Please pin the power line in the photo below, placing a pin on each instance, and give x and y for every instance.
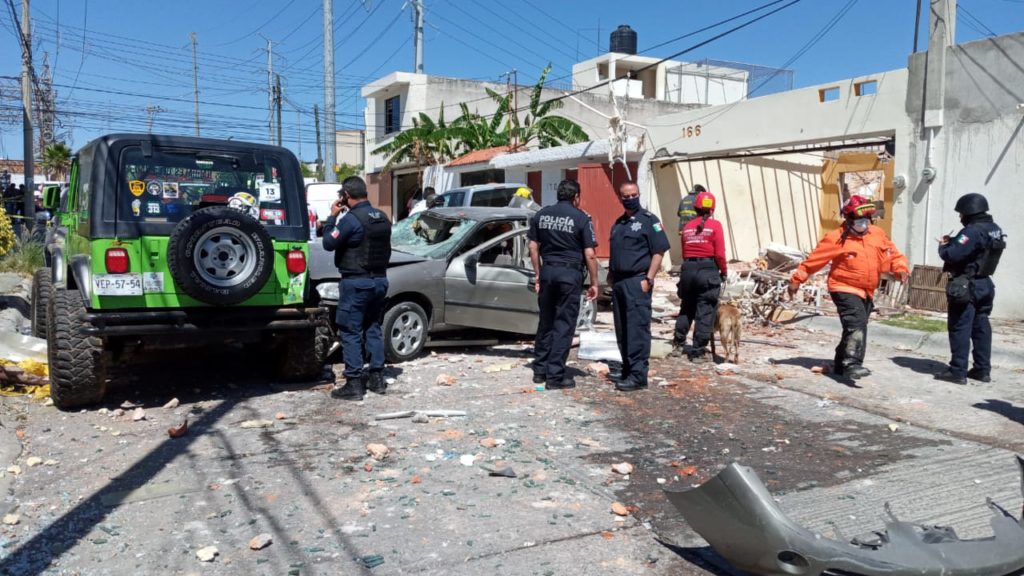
(258, 28)
(974, 22)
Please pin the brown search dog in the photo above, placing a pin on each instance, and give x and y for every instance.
(729, 325)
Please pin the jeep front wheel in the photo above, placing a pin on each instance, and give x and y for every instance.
(77, 370)
(42, 285)
(220, 255)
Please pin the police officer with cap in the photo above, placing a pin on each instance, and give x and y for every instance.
(562, 245)
(638, 243)
(970, 257)
(361, 243)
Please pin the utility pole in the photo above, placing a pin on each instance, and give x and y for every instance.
(152, 111)
(298, 126)
(417, 6)
(269, 91)
(332, 134)
(29, 198)
(277, 97)
(316, 122)
(512, 95)
(195, 79)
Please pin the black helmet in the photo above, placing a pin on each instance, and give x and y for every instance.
(971, 204)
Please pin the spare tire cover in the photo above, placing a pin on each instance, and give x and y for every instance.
(220, 255)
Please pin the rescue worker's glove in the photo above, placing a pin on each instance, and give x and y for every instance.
(792, 289)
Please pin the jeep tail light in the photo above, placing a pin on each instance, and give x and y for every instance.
(296, 262)
(116, 260)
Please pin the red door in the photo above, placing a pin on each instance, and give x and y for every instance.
(598, 198)
(534, 181)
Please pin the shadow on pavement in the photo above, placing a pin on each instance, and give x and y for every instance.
(1003, 408)
(704, 558)
(802, 361)
(34, 556)
(920, 365)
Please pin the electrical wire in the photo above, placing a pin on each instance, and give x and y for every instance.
(974, 22)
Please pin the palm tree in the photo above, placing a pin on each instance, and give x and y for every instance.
(427, 142)
(540, 126)
(57, 160)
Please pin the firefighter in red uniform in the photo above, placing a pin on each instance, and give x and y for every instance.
(700, 278)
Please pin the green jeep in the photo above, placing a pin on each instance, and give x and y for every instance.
(175, 241)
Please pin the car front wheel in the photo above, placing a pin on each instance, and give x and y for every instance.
(405, 331)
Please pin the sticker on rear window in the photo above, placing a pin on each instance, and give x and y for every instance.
(137, 187)
(154, 187)
(270, 192)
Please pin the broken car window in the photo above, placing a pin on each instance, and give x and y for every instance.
(429, 235)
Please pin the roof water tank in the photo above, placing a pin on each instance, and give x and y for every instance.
(623, 40)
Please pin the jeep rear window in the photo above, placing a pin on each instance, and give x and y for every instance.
(168, 185)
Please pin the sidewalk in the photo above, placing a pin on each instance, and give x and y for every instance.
(1007, 342)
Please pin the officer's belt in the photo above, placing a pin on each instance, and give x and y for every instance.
(700, 259)
(348, 276)
(578, 266)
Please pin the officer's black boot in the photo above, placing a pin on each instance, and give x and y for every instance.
(566, 383)
(950, 376)
(376, 382)
(354, 389)
(976, 374)
(856, 372)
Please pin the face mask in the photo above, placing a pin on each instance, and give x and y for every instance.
(631, 203)
(860, 225)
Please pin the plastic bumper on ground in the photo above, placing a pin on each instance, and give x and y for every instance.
(739, 519)
(207, 320)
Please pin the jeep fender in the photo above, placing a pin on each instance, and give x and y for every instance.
(56, 262)
(80, 272)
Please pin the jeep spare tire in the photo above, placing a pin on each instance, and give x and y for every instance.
(220, 255)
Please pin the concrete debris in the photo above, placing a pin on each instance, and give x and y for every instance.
(138, 414)
(420, 418)
(48, 401)
(11, 519)
(260, 542)
(14, 469)
(413, 413)
(171, 404)
(599, 368)
(117, 413)
(178, 431)
(619, 509)
(445, 380)
(623, 468)
(505, 367)
(894, 427)
(378, 451)
(504, 473)
(726, 367)
(257, 424)
(590, 443)
(280, 416)
(467, 459)
(33, 461)
(488, 442)
(817, 369)
(207, 554)
(128, 405)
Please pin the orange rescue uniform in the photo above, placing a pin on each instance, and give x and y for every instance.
(858, 262)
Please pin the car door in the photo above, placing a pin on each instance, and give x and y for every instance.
(490, 286)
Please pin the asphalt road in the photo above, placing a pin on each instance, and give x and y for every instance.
(119, 496)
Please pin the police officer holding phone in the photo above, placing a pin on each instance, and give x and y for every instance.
(361, 242)
(970, 257)
(562, 245)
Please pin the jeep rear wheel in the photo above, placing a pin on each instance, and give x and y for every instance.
(304, 353)
(42, 285)
(220, 255)
(77, 370)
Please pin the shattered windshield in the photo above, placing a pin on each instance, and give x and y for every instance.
(429, 235)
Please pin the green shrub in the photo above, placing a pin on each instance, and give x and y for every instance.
(24, 257)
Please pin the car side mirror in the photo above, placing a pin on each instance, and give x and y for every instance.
(471, 261)
(51, 197)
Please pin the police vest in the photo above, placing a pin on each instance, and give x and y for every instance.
(371, 256)
(994, 246)
(686, 211)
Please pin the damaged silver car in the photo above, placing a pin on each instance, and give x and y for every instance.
(739, 519)
(452, 269)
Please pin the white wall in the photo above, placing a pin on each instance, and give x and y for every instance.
(978, 148)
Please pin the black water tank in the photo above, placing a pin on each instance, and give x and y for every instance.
(623, 40)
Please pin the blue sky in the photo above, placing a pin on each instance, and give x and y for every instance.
(113, 59)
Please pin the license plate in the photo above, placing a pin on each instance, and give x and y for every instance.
(117, 284)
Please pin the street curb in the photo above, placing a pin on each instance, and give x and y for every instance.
(934, 344)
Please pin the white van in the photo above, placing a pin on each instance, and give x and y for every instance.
(320, 196)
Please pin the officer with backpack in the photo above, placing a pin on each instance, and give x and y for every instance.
(361, 242)
(970, 257)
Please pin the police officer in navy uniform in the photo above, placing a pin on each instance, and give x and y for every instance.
(638, 243)
(970, 257)
(562, 245)
(361, 243)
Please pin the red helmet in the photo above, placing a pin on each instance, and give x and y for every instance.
(858, 207)
(704, 202)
